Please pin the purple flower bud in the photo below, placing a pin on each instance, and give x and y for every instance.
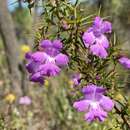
(76, 78)
(98, 77)
(125, 62)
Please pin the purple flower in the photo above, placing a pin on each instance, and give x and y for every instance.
(95, 104)
(75, 80)
(97, 77)
(47, 62)
(94, 37)
(125, 62)
(25, 100)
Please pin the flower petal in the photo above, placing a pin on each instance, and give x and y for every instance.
(97, 25)
(106, 103)
(32, 66)
(97, 22)
(39, 56)
(98, 50)
(94, 114)
(93, 92)
(106, 27)
(45, 43)
(61, 59)
(89, 91)
(103, 41)
(100, 90)
(88, 38)
(89, 116)
(37, 77)
(91, 88)
(57, 44)
(82, 106)
(28, 55)
(49, 69)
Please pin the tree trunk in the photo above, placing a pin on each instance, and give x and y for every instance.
(11, 47)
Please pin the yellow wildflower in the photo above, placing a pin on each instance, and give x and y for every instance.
(25, 48)
(119, 97)
(46, 83)
(10, 98)
(71, 82)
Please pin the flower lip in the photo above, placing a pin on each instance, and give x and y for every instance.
(49, 69)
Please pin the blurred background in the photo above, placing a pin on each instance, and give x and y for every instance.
(28, 106)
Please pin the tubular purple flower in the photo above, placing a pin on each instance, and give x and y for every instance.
(47, 62)
(94, 37)
(95, 104)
